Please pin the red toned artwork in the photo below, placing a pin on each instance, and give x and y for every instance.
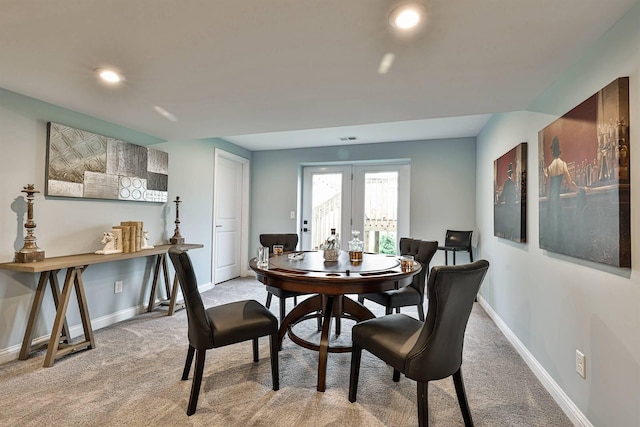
(583, 185)
(510, 194)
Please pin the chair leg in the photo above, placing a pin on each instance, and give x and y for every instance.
(269, 296)
(462, 398)
(396, 375)
(423, 404)
(187, 363)
(388, 310)
(470, 254)
(275, 370)
(398, 310)
(256, 355)
(197, 381)
(421, 312)
(360, 299)
(283, 307)
(356, 355)
(295, 300)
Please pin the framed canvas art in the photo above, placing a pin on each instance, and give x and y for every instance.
(510, 194)
(86, 165)
(584, 186)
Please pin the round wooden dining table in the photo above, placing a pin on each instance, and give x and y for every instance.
(329, 282)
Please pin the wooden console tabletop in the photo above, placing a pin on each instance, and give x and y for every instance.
(60, 340)
(60, 262)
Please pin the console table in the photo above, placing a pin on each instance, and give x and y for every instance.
(60, 341)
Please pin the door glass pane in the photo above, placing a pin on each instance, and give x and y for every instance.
(326, 201)
(380, 212)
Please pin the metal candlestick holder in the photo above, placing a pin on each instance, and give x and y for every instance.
(30, 252)
(177, 237)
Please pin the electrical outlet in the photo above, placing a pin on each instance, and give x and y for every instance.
(581, 367)
(118, 287)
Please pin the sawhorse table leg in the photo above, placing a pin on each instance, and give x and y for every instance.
(174, 294)
(73, 279)
(50, 277)
(161, 263)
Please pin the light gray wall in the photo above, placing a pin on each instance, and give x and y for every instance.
(64, 226)
(191, 176)
(71, 226)
(442, 184)
(556, 304)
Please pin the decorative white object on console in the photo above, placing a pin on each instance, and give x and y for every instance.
(145, 240)
(109, 241)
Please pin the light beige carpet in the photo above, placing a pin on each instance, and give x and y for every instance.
(132, 378)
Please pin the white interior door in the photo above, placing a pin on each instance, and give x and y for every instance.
(371, 198)
(230, 213)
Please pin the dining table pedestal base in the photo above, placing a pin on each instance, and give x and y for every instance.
(327, 307)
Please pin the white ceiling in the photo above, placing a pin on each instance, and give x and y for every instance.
(295, 73)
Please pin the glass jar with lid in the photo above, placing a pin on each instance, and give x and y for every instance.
(355, 247)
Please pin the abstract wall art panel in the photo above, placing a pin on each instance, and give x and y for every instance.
(510, 194)
(584, 187)
(86, 165)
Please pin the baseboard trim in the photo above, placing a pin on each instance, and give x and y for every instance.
(11, 353)
(566, 404)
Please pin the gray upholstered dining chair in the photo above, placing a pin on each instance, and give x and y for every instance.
(289, 241)
(425, 351)
(220, 326)
(413, 294)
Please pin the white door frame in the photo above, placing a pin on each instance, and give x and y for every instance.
(352, 213)
(244, 226)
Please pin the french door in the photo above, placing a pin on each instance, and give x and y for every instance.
(370, 198)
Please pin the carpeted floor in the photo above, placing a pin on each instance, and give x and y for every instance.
(132, 378)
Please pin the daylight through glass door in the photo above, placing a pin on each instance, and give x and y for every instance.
(380, 212)
(363, 197)
(326, 207)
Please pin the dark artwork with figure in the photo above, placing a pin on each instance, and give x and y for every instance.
(584, 184)
(510, 194)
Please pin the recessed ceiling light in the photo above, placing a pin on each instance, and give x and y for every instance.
(109, 76)
(407, 16)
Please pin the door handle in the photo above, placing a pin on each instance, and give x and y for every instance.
(218, 226)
